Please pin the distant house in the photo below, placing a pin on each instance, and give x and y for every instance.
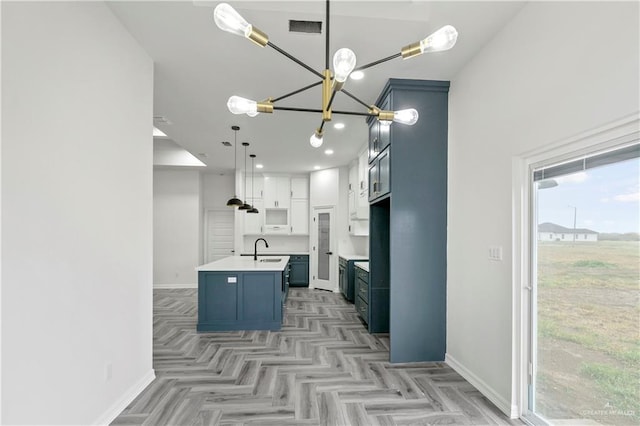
(551, 232)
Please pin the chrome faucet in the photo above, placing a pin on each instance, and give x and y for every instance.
(255, 247)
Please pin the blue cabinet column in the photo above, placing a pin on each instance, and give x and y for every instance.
(416, 253)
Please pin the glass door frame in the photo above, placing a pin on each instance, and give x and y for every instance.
(611, 136)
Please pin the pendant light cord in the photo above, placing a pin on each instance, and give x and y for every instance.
(235, 155)
(245, 171)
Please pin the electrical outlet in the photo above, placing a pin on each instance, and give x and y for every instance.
(495, 253)
(108, 371)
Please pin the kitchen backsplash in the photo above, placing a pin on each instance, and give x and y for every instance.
(278, 244)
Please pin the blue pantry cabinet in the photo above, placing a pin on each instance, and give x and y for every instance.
(408, 222)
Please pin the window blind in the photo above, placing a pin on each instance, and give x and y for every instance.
(588, 162)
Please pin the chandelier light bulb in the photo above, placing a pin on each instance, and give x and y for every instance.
(357, 75)
(316, 140)
(344, 61)
(406, 116)
(239, 105)
(227, 19)
(443, 39)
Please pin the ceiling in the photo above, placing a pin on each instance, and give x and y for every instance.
(198, 67)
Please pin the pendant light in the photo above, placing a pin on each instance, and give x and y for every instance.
(235, 201)
(252, 209)
(245, 206)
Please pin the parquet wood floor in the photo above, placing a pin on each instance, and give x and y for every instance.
(322, 368)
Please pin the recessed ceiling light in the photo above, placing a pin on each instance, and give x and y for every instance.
(259, 166)
(316, 167)
(357, 75)
(338, 126)
(158, 133)
(328, 151)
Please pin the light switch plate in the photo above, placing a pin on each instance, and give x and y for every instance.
(495, 253)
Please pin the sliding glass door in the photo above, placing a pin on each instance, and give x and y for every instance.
(585, 299)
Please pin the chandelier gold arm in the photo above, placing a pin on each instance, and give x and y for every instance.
(265, 106)
(411, 50)
(382, 115)
(326, 96)
(258, 37)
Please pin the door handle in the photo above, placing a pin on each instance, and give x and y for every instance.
(329, 253)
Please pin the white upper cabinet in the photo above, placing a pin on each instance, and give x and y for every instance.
(363, 174)
(358, 188)
(299, 216)
(300, 188)
(277, 192)
(256, 187)
(283, 202)
(254, 222)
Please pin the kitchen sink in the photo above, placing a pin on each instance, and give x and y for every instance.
(271, 259)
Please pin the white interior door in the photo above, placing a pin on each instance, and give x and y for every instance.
(220, 235)
(323, 243)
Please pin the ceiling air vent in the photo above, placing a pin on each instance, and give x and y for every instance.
(310, 27)
(225, 143)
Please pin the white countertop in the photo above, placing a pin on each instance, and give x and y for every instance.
(275, 253)
(354, 256)
(245, 263)
(362, 265)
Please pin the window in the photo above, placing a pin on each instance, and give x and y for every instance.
(585, 297)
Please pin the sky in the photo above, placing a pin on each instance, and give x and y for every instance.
(606, 199)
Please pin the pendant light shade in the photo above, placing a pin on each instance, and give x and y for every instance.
(235, 201)
(244, 205)
(252, 209)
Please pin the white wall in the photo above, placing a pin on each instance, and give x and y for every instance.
(176, 227)
(77, 212)
(217, 189)
(556, 70)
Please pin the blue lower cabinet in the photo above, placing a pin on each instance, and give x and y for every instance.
(299, 263)
(347, 278)
(240, 300)
(362, 294)
(299, 274)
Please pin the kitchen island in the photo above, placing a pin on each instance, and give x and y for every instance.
(240, 293)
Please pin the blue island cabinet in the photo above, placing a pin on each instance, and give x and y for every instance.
(240, 300)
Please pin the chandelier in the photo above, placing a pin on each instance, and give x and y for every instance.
(344, 63)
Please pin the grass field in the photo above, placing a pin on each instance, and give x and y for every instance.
(589, 331)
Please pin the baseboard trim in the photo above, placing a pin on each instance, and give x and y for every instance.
(168, 286)
(493, 396)
(110, 415)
